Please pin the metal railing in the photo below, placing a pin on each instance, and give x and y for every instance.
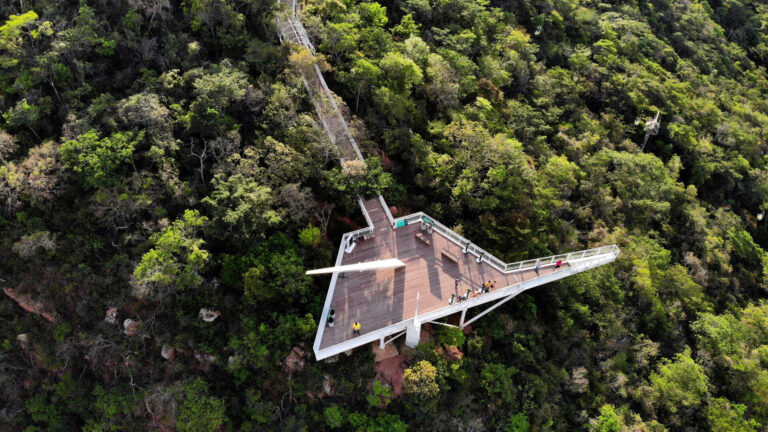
(495, 262)
(331, 118)
(365, 212)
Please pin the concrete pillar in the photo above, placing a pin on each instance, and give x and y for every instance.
(381, 343)
(413, 333)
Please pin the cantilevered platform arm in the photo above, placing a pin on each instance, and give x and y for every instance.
(370, 265)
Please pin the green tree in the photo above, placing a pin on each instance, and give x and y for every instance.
(334, 417)
(241, 207)
(679, 385)
(407, 27)
(340, 39)
(497, 381)
(363, 76)
(276, 272)
(218, 90)
(517, 423)
(722, 416)
(265, 343)
(98, 159)
(310, 237)
(200, 412)
(609, 421)
(217, 21)
(113, 409)
(355, 178)
(400, 73)
(175, 261)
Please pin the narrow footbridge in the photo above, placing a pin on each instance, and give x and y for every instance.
(413, 269)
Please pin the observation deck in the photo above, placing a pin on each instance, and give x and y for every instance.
(391, 302)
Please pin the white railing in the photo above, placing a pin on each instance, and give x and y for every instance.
(365, 212)
(291, 29)
(345, 241)
(386, 210)
(580, 265)
(491, 259)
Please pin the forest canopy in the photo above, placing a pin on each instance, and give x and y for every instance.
(165, 182)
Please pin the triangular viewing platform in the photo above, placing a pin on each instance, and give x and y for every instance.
(394, 301)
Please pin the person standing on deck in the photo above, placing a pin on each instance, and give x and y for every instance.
(558, 264)
(538, 267)
(356, 327)
(456, 286)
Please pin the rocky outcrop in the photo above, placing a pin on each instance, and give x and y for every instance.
(295, 361)
(390, 371)
(205, 359)
(28, 304)
(130, 327)
(111, 316)
(209, 315)
(168, 352)
(453, 353)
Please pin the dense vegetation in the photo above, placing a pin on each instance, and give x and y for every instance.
(159, 157)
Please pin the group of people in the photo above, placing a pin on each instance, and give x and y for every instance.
(485, 287)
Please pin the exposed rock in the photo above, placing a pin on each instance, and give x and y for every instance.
(328, 390)
(205, 358)
(389, 351)
(578, 382)
(390, 371)
(23, 340)
(130, 327)
(427, 333)
(295, 361)
(111, 316)
(28, 304)
(209, 315)
(453, 353)
(168, 352)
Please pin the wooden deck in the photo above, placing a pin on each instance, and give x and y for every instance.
(378, 299)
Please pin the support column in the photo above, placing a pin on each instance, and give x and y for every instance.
(461, 322)
(381, 343)
(413, 333)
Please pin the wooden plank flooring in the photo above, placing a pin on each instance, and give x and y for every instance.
(378, 299)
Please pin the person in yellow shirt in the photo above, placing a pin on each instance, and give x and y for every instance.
(356, 327)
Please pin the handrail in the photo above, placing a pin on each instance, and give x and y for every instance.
(292, 26)
(386, 211)
(493, 260)
(365, 212)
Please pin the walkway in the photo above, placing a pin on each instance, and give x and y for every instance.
(327, 109)
(393, 302)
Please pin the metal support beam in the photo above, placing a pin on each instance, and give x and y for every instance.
(382, 343)
(461, 322)
(499, 303)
